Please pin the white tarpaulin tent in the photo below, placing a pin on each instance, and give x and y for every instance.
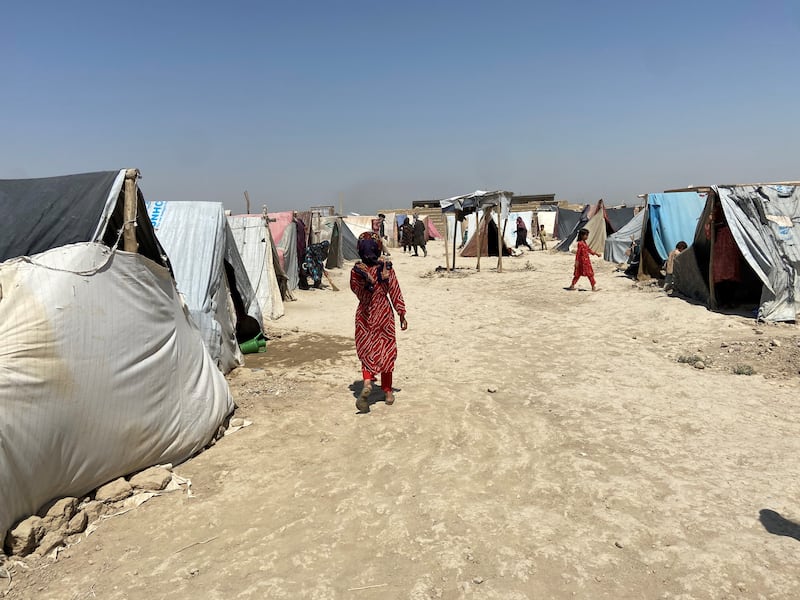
(210, 274)
(252, 237)
(102, 372)
(548, 219)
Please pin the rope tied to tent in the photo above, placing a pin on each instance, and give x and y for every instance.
(93, 271)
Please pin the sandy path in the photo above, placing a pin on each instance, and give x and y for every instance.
(600, 467)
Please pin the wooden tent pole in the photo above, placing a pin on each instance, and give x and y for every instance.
(500, 235)
(712, 296)
(129, 243)
(446, 253)
(247, 202)
(455, 230)
(478, 239)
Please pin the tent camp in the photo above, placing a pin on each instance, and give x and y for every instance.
(600, 222)
(669, 218)
(484, 237)
(343, 243)
(210, 274)
(255, 245)
(618, 244)
(746, 251)
(102, 372)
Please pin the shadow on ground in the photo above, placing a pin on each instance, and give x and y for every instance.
(778, 525)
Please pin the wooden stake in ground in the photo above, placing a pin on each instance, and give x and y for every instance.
(500, 241)
(446, 253)
(478, 239)
(129, 243)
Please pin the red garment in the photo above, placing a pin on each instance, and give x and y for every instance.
(583, 264)
(376, 345)
(726, 265)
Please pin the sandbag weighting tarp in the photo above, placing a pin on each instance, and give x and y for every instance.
(102, 372)
(209, 273)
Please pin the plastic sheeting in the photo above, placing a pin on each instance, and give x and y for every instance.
(102, 374)
(199, 242)
(548, 219)
(673, 218)
(510, 233)
(618, 244)
(765, 222)
(284, 234)
(253, 241)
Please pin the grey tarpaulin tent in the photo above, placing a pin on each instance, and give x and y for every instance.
(255, 246)
(619, 243)
(102, 373)
(746, 250)
(210, 274)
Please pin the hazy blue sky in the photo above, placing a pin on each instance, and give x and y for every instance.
(379, 103)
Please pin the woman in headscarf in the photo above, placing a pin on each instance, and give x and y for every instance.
(407, 233)
(522, 234)
(374, 283)
(314, 262)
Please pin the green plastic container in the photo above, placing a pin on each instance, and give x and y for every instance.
(257, 344)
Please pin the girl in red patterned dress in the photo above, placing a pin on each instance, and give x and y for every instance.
(583, 264)
(375, 284)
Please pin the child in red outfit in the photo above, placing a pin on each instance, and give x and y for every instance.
(583, 264)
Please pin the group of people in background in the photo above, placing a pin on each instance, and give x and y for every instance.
(522, 235)
(412, 236)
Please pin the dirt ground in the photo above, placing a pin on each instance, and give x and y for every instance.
(544, 444)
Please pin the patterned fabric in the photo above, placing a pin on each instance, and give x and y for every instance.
(583, 264)
(314, 261)
(377, 290)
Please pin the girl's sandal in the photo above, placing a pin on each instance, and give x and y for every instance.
(389, 398)
(362, 402)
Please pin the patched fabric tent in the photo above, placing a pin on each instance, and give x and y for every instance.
(210, 274)
(255, 245)
(284, 233)
(600, 222)
(567, 221)
(746, 251)
(102, 372)
(343, 244)
(489, 234)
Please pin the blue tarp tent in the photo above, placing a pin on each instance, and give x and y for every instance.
(670, 217)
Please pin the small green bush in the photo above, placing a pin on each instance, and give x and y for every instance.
(743, 370)
(689, 359)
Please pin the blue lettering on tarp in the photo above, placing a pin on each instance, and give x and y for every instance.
(783, 232)
(156, 212)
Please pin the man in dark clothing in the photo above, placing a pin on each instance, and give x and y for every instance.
(419, 236)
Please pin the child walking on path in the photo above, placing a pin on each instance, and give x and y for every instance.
(374, 283)
(583, 263)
